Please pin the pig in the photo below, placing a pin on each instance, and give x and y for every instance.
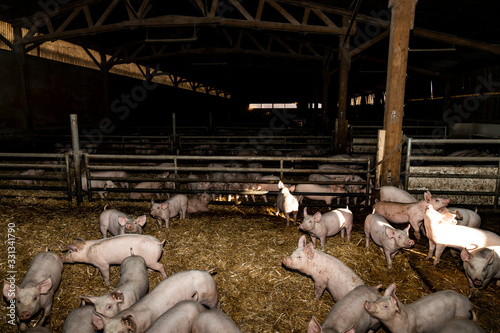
(79, 320)
(396, 212)
(442, 234)
(349, 314)
(185, 285)
(213, 321)
(102, 253)
(201, 185)
(461, 325)
(481, 266)
(177, 319)
(113, 173)
(199, 204)
(287, 203)
(254, 175)
(463, 216)
(395, 194)
(178, 204)
(268, 187)
(133, 285)
(326, 271)
(428, 314)
(149, 185)
(104, 184)
(30, 172)
(327, 225)
(316, 188)
(118, 223)
(389, 239)
(36, 291)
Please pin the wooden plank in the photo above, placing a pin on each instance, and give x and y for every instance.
(380, 156)
(401, 23)
(345, 61)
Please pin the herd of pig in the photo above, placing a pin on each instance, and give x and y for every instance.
(187, 301)
(361, 308)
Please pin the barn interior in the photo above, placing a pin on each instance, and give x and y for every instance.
(287, 83)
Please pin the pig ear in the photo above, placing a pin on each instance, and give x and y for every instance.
(465, 255)
(45, 285)
(302, 241)
(490, 257)
(314, 326)
(122, 220)
(309, 251)
(194, 296)
(391, 290)
(164, 205)
(89, 299)
(291, 188)
(152, 201)
(280, 185)
(7, 292)
(71, 247)
(389, 232)
(427, 196)
(117, 295)
(407, 229)
(305, 211)
(395, 302)
(458, 215)
(129, 321)
(141, 220)
(317, 217)
(98, 320)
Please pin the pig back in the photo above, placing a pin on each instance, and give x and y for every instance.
(177, 319)
(79, 320)
(394, 194)
(213, 321)
(42, 266)
(461, 325)
(113, 250)
(134, 280)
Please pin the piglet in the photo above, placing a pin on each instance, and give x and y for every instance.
(389, 239)
(287, 203)
(199, 204)
(395, 194)
(177, 319)
(30, 172)
(102, 253)
(326, 271)
(316, 188)
(213, 321)
(463, 216)
(396, 212)
(117, 223)
(481, 266)
(100, 183)
(178, 204)
(158, 185)
(348, 314)
(36, 291)
(428, 314)
(461, 325)
(443, 233)
(268, 187)
(79, 320)
(327, 225)
(133, 285)
(186, 285)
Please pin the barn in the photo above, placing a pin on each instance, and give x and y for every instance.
(102, 98)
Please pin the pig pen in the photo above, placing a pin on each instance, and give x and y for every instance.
(245, 245)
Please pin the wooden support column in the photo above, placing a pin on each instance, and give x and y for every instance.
(324, 117)
(105, 82)
(20, 52)
(403, 12)
(345, 64)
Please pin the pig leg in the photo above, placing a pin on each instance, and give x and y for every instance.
(388, 258)
(319, 289)
(264, 197)
(432, 248)
(46, 313)
(287, 215)
(348, 231)
(294, 216)
(104, 268)
(322, 241)
(159, 267)
(416, 228)
(439, 251)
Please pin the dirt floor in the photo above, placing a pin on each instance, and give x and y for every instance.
(245, 245)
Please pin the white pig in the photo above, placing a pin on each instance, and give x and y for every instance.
(463, 216)
(268, 187)
(316, 188)
(389, 239)
(104, 184)
(396, 212)
(102, 253)
(481, 266)
(133, 285)
(186, 285)
(30, 172)
(178, 204)
(349, 314)
(326, 271)
(395, 194)
(426, 315)
(36, 291)
(117, 223)
(327, 225)
(461, 325)
(177, 319)
(442, 234)
(79, 320)
(213, 321)
(287, 203)
(199, 204)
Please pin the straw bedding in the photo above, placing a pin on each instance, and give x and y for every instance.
(246, 246)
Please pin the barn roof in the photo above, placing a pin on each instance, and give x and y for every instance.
(266, 49)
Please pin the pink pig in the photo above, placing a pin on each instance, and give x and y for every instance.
(326, 271)
(327, 225)
(178, 204)
(287, 203)
(481, 266)
(214, 320)
(177, 319)
(117, 223)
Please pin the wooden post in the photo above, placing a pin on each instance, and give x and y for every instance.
(324, 117)
(20, 53)
(105, 83)
(345, 63)
(401, 23)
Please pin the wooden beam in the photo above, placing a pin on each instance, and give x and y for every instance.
(345, 63)
(401, 23)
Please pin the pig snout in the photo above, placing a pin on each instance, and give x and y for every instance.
(25, 315)
(287, 261)
(478, 282)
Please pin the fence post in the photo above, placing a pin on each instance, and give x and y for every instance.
(76, 157)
